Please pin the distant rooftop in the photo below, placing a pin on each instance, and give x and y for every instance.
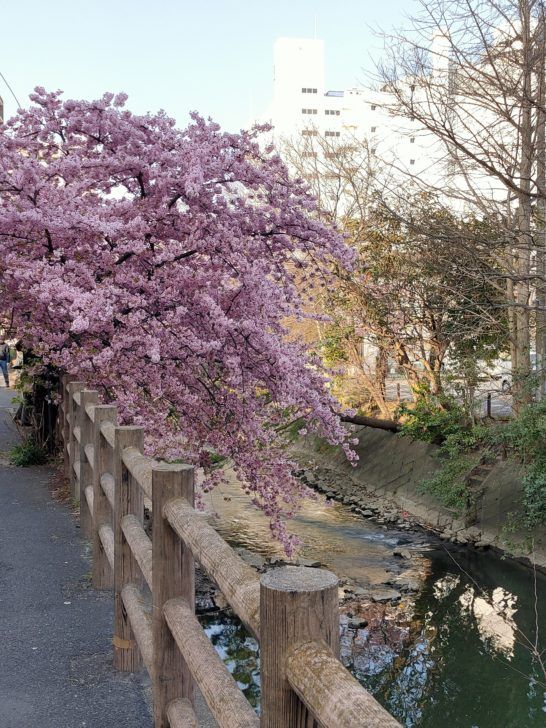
(339, 94)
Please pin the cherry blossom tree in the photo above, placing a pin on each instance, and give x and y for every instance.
(160, 265)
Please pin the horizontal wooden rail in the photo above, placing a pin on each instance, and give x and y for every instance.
(227, 703)
(140, 544)
(106, 535)
(140, 622)
(237, 580)
(181, 714)
(107, 484)
(107, 430)
(330, 692)
(292, 611)
(140, 468)
(89, 453)
(89, 495)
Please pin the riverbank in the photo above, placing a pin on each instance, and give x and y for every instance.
(428, 654)
(381, 570)
(384, 487)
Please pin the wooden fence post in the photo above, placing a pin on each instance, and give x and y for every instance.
(87, 397)
(297, 605)
(173, 573)
(103, 576)
(128, 500)
(65, 427)
(73, 446)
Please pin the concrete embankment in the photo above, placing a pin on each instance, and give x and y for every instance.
(384, 485)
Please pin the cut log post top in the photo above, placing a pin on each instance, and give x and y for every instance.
(297, 605)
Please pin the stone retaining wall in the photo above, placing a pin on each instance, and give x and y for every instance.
(384, 486)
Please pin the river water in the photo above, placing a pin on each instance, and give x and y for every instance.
(466, 662)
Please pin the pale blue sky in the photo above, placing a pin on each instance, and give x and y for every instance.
(210, 55)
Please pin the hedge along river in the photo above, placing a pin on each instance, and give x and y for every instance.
(455, 652)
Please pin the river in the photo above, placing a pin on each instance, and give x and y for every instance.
(463, 656)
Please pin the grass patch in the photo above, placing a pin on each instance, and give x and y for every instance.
(27, 453)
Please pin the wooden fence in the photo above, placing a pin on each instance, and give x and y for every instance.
(292, 611)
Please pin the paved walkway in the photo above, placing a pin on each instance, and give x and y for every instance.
(55, 631)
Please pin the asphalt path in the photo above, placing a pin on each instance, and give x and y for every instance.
(55, 630)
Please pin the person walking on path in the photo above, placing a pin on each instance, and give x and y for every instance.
(4, 359)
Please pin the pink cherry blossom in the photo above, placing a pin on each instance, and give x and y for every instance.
(160, 265)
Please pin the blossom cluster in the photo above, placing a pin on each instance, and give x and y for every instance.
(161, 266)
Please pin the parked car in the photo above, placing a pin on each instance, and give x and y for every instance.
(501, 371)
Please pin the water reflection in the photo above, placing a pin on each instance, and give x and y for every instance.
(494, 618)
(465, 665)
(238, 650)
(468, 665)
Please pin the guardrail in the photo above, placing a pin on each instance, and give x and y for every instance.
(292, 611)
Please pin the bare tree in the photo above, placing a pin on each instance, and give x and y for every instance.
(478, 91)
(409, 296)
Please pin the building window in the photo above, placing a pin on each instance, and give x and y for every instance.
(309, 90)
(412, 140)
(309, 155)
(374, 107)
(309, 132)
(331, 133)
(374, 129)
(412, 161)
(331, 112)
(373, 151)
(308, 111)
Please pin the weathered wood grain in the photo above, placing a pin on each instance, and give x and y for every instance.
(108, 486)
(140, 468)
(297, 605)
(141, 623)
(108, 430)
(173, 576)
(237, 580)
(102, 573)
(89, 497)
(180, 714)
(226, 702)
(330, 692)
(128, 500)
(140, 545)
(89, 450)
(73, 444)
(106, 535)
(88, 398)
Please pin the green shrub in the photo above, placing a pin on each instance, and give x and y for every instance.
(433, 419)
(463, 446)
(27, 453)
(525, 439)
(449, 484)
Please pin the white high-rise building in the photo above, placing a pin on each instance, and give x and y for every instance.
(301, 102)
(302, 106)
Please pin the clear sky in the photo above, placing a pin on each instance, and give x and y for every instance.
(214, 56)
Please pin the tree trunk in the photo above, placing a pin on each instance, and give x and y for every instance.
(524, 240)
(540, 253)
